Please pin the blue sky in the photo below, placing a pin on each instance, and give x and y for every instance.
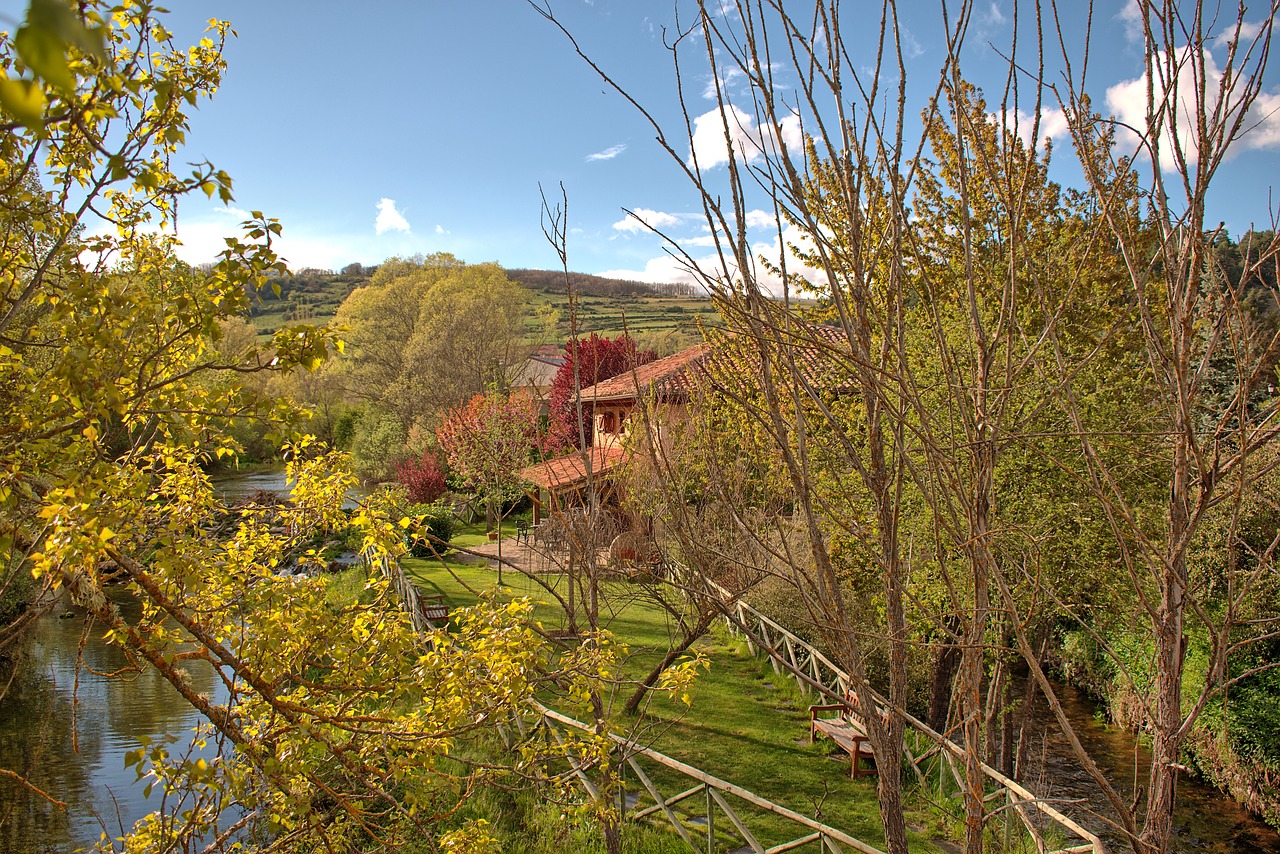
(392, 127)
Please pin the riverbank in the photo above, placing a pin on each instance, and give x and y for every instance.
(67, 730)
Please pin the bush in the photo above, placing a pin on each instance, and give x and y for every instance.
(344, 428)
(348, 588)
(16, 591)
(432, 529)
(423, 477)
(377, 442)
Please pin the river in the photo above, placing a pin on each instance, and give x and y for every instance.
(1207, 822)
(69, 730)
(234, 484)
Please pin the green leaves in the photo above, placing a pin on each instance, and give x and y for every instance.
(23, 99)
(47, 44)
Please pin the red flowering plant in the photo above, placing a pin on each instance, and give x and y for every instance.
(597, 359)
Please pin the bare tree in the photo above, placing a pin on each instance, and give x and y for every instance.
(949, 268)
(1193, 319)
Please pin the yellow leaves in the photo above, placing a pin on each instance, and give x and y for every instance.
(23, 99)
(678, 678)
(472, 839)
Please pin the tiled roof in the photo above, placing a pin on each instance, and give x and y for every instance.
(733, 358)
(569, 470)
(668, 378)
(819, 353)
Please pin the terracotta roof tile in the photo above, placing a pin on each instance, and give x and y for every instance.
(667, 378)
(569, 470)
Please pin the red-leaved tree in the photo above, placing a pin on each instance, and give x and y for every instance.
(423, 477)
(597, 359)
(486, 443)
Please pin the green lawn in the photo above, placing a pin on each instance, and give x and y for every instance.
(746, 725)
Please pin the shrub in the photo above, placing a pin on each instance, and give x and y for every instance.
(344, 428)
(423, 477)
(432, 529)
(378, 441)
(15, 591)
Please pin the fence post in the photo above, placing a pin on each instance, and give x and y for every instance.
(751, 647)
(622, 787)
(711, 822)
(1008, 814)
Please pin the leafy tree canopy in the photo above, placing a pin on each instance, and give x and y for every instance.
(587, 362)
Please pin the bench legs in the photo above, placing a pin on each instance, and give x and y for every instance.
(861, 750)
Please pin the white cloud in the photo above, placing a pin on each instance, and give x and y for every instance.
(1053, 125)
(643, 219)
(1127, 100)
(608, 153)
(994, 16)
(390, 219)
(760, 219)
(440, 229)
(747, 140)
(237, 213)
(703, 241)
(727, 76)
(910, 44)
(1130, 17)
(772, 251)
(1247, 33)
(660, 270)
(201, 241)
(202, 233)
(666, 268)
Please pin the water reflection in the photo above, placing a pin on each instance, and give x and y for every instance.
(1206, 821)
(233, 484)
(70, 740)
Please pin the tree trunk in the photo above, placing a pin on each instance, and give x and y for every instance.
(646, 685)
(944, 674)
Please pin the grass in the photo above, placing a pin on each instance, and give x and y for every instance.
(637, 314)
(474, 534)
(746, 724)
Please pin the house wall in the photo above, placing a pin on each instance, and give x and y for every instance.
(610, 423)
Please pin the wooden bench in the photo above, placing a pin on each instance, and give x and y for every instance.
(433, 609)
(847, 732)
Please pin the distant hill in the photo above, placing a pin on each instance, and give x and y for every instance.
(307, 295)
(552, 282)
(314, 296)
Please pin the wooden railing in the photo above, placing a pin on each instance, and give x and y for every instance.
(404, 588)
(814, 672)
(692, 812)
(649, 800)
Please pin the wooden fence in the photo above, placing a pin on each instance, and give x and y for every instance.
(404, 588)
(816, 673)
(698, 812)
(645, 799)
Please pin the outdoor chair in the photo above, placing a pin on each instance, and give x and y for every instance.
(634, 551)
